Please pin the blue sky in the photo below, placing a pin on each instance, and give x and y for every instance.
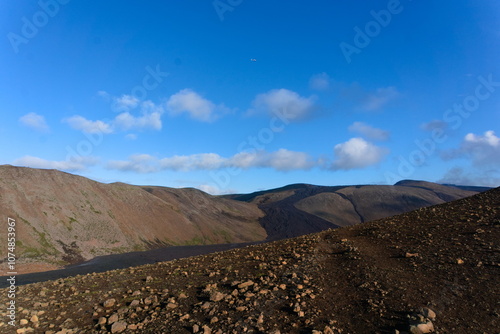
(238, 96)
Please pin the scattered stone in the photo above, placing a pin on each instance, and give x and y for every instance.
(118, 327)
(216, 296)
(171, 306)
(428, 313)
(113, 318)
(328, 330)
(109, 303)
(245, 284)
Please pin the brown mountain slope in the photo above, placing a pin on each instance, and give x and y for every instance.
(377, 277)
(302, 208)
(63, 218)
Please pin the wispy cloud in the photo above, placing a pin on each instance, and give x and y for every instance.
(379, 98)
(275, 101)
(196, 106)
(150, 119)
(140, 163)
(353, 154)
(281, 160)
(125, 103)
(214, 190)
(357, 153)
(72, 165)
(35, 122)
(433, 125)
(202, 161)
(82, 124)
(320, 82)
(368, 131)
(367, 100)
(131, 136)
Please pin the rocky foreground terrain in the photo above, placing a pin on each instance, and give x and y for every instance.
(435, 270)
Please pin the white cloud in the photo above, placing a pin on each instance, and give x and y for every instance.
(195, 105)
(212, 189)
(203, 161)
(368, 131)
(125, 121)
(357, 153)
(482, 150)
(125, 103)
(81, 123)
(74, 164)
(281, 160)
(320, 82)
(285, 160)
(34, 121)
(489, 139)
(150, 119)
(140, 163)
(283, 102)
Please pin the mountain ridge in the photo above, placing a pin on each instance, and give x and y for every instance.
(66, 219)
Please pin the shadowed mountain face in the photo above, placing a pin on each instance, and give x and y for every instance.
(300, 209)
(63, 218)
